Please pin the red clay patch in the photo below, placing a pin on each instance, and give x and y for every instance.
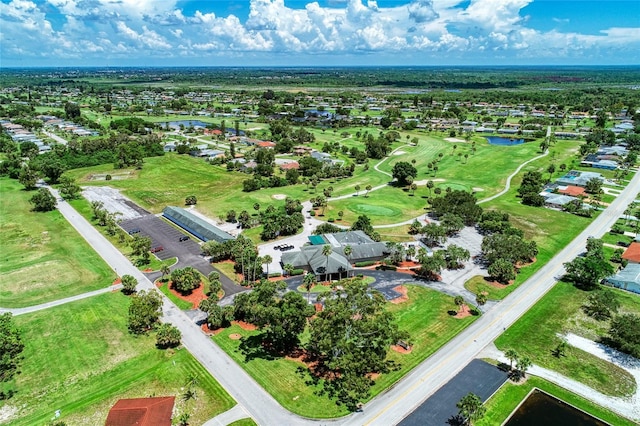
(117, 281)
(235, 336)
(403, 291)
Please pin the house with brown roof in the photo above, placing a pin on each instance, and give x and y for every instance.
(571, 190)
(141, 412)
(632, 253)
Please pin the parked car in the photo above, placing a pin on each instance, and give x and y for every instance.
(134, 231)
(183, 238)
(157, 249)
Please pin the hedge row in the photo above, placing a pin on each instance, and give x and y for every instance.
(365, 263)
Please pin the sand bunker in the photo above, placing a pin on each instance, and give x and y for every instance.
(278, 196)
(399, 153)
(454, 140)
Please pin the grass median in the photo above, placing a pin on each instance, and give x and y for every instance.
(80, 359)
(43, 257)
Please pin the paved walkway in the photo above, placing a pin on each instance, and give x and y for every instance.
(628, 407)
(234, 414)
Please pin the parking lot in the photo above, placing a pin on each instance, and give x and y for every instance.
(162, 235)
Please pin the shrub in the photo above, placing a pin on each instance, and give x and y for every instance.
(365, 263)
(386, 268)
(297, 272)
(107, 177)
(275, 275)
(312, 213)
(331, 220)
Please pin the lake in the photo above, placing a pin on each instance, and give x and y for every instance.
(497, 140)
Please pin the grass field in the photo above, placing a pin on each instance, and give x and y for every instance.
(507, 398)
(425, 316)
(43, 258)
(536, 335)
(79, 358)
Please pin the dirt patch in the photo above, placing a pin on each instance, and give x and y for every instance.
(278, 196)
(235, 336)
(464, 312)
(245, 325)
(373, 376)
(194, 298)
(400, 349)
(403, 294)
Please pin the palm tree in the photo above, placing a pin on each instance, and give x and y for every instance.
(512, 356)
(288, 268)
(266, 259)
(308, 282)
(459, 301)
(165, 270)
(471, 408)
(347, 252)
(326, 252)
(411, 251)
(523, 365)
(481, 299)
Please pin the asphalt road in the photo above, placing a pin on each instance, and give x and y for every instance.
(392, 406)
(395, 404)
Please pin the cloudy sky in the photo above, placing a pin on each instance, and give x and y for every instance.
(322, 32)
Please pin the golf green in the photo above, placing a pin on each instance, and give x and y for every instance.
(373, 210)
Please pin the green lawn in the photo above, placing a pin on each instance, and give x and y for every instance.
(425, 316)
(243, 422)
(536, 335)
(80, 359)
(507, 398)
(478, 284)
(180, 303)
(43, 257)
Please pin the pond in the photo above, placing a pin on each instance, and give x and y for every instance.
(186, 123)
(540, 408)
(497, 140)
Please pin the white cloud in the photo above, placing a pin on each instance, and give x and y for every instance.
(436, 29)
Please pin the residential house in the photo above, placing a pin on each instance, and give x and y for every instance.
(627, 278)
(141, 412)
(632, 253)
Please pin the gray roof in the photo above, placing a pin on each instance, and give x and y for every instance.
(627, 279)
(195, 225)
(559, 200)
(312, 257)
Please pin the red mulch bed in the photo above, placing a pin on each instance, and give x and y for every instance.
(194, 298)
(245, 325)
(117, 281)
(400, 349)
(464, 312)
(209, 332)
(403, 291)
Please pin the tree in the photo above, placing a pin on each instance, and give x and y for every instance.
(52, 169)
(308, 282)
(512, 356)
(11, 348)
(523, 365)
(216, 315)
(266, 260)
(129, 284)
(288, 268)
(326, 252)
(452, 223)
(165, 270)
(352, 336)
(602, 304)
(231, 216)
(459, 301)
(69, 189)
(43, 201)
(403, 170)
(357, 188)
(625, 334)
(168, 336)
(190, 200)
(471, 408)
(385, 122)
(502, 271)
(431, 266)
(140, 247)
(454, 256)
(72, 110)
(593, 186)
(460, 203)
(587, 272)
(368, 189)
(28, 177)
(185, 280)
(144, 311)
(481, 299)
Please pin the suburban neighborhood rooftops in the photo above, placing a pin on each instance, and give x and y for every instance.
(141, 412)
(632, 253)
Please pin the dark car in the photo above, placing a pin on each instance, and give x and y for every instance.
(183, 238)
(134, 231)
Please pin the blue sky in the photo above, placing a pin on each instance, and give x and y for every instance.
(323, 32)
